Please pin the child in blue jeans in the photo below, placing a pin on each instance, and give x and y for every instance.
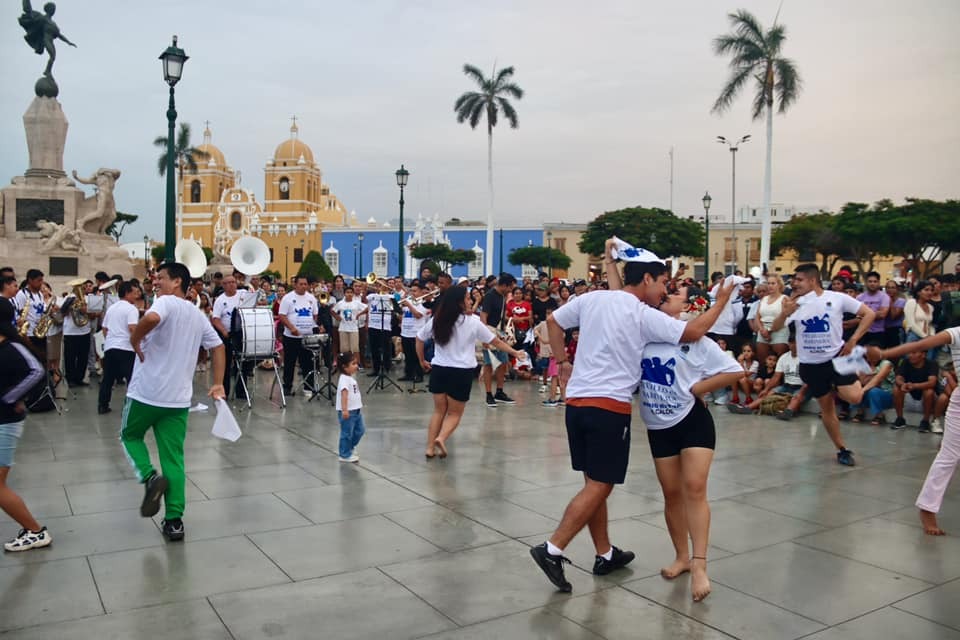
(348, 407)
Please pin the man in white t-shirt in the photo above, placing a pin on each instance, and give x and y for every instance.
(817, 316)
(348, 313)
(298, 314)
(118, 324)
(76, 340)
(166, 341)
(615, 326)
(413, 319)
(221, 318)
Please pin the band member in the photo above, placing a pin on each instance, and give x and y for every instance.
(118, 324)
(32, 296)
(161, 389)
(76, 337)
(222, 320)
(454, 333)
(493, 313)
(379, 319)
(413, 319)
(298, 315)
(816, 315)
(615, 327)
(348, 313)
(97, 303)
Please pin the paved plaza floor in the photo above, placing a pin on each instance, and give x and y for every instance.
(284, 541)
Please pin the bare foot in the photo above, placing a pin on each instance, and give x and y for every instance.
(430, 453)
(676, 568)
(929, 521)
(439, 444)
(699, 583)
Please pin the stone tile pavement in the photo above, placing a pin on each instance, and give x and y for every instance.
(282, 540)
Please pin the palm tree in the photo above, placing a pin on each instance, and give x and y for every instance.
(755, 53)
(490, 100)
(185, 156)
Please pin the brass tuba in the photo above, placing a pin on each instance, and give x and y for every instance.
(78, 309)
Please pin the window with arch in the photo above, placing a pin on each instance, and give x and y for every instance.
(475, 268)
(332, 258)
(284, 188)
(195, 191)
(380, 263)
(236, 220)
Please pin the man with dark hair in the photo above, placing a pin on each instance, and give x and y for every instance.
(817, 318)
(161, 390)
(118, 324)
(222, 320)
(32, 296)
(298, 314)
(444, 281)
(493, 313)
(877, 300)
(615, 326)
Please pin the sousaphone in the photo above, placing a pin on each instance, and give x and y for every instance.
(190, 254)
(250, 255)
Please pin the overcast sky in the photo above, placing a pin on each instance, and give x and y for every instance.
(610, 87)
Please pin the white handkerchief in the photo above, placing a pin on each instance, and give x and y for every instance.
(225, 426)
(854, 363)
(628, 253)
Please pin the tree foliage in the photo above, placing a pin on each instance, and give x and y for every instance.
(120, 223)
(657, 230)
(314, 265)
(185, 156)
(539, 257)
(442, 254)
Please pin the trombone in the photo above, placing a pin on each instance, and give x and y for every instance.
(421, 298)
(372, 278)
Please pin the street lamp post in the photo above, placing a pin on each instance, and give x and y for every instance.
(734, 146)
(286, 263)
(355, 258)
(706, 254)
(402, 176)
(146, 253)
(550, 255)
(501, 252)
(360, 239)
(173, 60)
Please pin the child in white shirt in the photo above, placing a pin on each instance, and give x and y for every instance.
(348, 407)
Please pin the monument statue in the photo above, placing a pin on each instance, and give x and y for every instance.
(57, 237)
(98, 212)
(220, 241)
(42, 31)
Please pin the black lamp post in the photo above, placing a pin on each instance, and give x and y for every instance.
(173, 60)
(286, 263)
(146, 253)
(402, 176)
(550, 246)
(706, 217)
(360, 239)
(355, 270)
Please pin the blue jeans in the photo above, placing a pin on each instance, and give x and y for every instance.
(9, 435)
(877, 399)
(351, 430)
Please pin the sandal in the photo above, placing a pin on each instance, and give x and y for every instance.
(859, 417)
(843, 415)
(877, 420)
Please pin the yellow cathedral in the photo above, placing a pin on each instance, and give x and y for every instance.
(215, 209)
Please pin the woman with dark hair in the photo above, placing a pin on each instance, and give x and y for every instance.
(918, 315)
(454, 332)
(19, 372)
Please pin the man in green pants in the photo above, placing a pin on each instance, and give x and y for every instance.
(166, 341)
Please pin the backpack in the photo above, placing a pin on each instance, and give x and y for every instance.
(774, 403)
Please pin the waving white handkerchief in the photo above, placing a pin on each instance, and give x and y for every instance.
(854, 363)
(225, 425)
(628, 253)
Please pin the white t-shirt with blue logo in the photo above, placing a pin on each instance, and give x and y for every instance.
(300, 310)
(819, 324)
(667, 373)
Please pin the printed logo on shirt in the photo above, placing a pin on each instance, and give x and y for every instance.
(303, 313)
(658, 372)
(817, 324)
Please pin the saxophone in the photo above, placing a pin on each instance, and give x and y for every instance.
(46, 320)
(23, 322)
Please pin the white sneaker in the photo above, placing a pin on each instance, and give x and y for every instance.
(353, 458)
(26, 540)
(543, 388)
(936, 426)
(307, 393)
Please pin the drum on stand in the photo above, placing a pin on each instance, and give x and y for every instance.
(256, 333)
(315, 341)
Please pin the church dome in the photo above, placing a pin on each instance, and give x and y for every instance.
(292, 150)
(213, 153)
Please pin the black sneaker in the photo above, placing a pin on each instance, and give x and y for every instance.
(502, 397)
(602, 566)
(845, 457)
(153, 490)
(924, 426)
(103, 410)
(552, 566)
(899, 423)
(173, 529)
(491, 402)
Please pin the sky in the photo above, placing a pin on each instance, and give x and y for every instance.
(610, 87)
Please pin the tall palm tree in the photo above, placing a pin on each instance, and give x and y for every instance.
(756, 54)
(489, 101)
(185, 157)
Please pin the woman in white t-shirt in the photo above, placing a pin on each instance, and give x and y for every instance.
(941, 470)
(454, 364)
(767, 311)
(349, 404)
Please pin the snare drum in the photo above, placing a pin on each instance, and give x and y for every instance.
(315, 340)
(256, 333)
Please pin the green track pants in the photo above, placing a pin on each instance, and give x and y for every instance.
(170, 430)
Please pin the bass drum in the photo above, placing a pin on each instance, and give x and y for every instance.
(256, 333)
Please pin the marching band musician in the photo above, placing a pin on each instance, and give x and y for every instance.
(298, 315)
(414, 318)
(54, 335)
(222, 320)
(379, 321)
(76, 338)
(118, 324)
(32, 296)
(96, 307)
(9, 290)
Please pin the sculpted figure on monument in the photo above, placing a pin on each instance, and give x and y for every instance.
(42, 31)
(98, 211)
(57, 237)
(220, 241)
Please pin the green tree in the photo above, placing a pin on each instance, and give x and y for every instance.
(489, 101)
(117, 226)
(657, 230)
(925, 232)
(756, 55)
(809, 234)
(157, 252)
(442, 254)
(314, 265)
(539, 257)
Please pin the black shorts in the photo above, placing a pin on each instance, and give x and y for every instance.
(695, 430)
(453, 381)
(822, 378)
(599, 443)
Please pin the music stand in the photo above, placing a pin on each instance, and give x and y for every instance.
(47, 393)
(381, 381)
(327, 389)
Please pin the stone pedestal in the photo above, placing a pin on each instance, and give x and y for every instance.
(46, 129)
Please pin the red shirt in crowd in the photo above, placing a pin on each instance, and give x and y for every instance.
(522, 309)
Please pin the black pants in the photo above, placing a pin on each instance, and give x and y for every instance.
(117, 364)
(381, 349)
(411, 365)
(76, 350)
(293, 352)
(230, 370)
(40, 344)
